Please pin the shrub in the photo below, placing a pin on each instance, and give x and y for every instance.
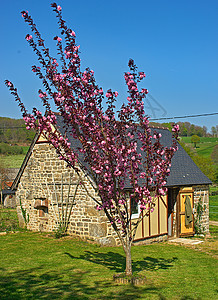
(7, 149)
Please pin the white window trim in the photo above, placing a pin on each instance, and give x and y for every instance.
(136, 215)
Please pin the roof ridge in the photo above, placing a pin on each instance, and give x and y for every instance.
(158, 127)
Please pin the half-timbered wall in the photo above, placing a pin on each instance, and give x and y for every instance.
(155, 223)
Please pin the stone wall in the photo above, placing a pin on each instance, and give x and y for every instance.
(202, 193)
(42, 204)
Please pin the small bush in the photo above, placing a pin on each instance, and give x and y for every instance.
(7, 149)
(60, 232)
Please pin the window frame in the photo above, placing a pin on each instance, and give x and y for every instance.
(137, 214)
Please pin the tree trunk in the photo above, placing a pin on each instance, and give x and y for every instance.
(128, 258)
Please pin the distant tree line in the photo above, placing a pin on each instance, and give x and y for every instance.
(13, 131)
(214, 130)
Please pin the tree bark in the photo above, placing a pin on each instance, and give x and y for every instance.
(128, 258)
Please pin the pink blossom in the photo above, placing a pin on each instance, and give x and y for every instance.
(145, 91)
(142, 175)
(59, 8)
(29, 37)
(175, 128)
(25, 13)
(9, 83)
(161, 191)
(116, 94)
(108, 95)
(97, 171)
(59, 39)
(73, 33)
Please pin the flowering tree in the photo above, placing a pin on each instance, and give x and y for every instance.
(117, 145)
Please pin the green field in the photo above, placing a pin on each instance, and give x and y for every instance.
(187, 139)
(12, 161)
(205, 147)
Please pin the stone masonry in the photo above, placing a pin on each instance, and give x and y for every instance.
(202, 192)
(36, 194)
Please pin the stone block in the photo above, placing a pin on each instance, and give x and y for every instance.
(107, 241)
(90, 211)
(98, 230)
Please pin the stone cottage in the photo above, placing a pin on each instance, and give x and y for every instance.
(47, 193)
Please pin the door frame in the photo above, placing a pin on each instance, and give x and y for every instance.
(172, 199)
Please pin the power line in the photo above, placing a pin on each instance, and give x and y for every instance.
(156, 119)
(184, 117)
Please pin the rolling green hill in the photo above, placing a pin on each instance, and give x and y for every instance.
(205, 147)
(205, 155)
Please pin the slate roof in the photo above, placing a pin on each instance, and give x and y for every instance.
(184, 172)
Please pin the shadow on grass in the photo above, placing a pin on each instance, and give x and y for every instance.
(116, 261)
(35, 283)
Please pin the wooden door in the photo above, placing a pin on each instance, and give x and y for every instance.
(185, 215)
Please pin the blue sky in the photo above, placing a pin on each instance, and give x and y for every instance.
(174, 42)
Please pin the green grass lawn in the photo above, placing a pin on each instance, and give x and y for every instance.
(8, 219)
(37, 266)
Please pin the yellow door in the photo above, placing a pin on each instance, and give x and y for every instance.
(186, 217)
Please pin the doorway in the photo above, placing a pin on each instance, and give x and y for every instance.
(172, 198)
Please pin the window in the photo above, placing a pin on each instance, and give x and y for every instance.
(135, 211)
(41, 204)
